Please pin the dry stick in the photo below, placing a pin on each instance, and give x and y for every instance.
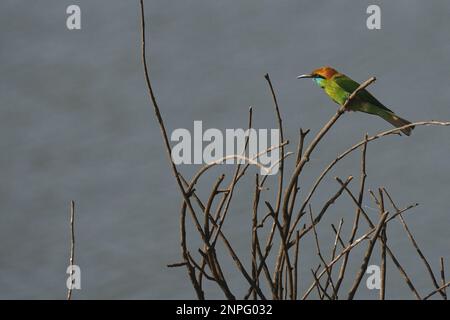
(241, 267)
(202, 170)
(200, 275)
(333, 253)
(184, 251)
(263, 257)
(268, 247)
(262, 266)
(190, 186)
(258, 192)
(229, 248)
(261, 153)
(322, 292)
(299, 156)
(436, 291)
(317, 219)
(444, 291)
(297, 245)
(285, 222)
(317, 284)
(302, 137)
(352, 245)
(383, 249)
(72, 245)
(362, 181)
(388, 250)
(162, 127)
(222, 283)
(343, 252)
(367, 256)
(416, 246)
(201, 269)
(285, 250)
(305, 230)
(176, 264)
(286, 284)
(212, 260)
(159, 117)
(209, 204)
(226, 199)
(257, 247)
(229, 194)
(237, 176)
(353, 148)
(255, 233)
(338, 236)
(319, 252)
(166, 140)
(214, 266)
(281, 139)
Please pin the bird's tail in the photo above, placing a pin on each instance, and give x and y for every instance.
(396, 121)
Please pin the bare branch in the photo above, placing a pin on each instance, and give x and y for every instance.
(72, 245)
(367, 256)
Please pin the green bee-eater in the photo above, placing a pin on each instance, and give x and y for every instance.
(339, 87)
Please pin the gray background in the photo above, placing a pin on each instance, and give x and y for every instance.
(76, 123)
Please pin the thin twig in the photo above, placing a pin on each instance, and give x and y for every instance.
(383, 250)
(319, 252)
(359, 240)
(285, 251)
(72, 246)
(299, 157)
(388, 250)
(432, 293)
(168, 149)
(185, 253)
(367, 256)
(415, 245)
(444, 291)
(362, 182)
(285, 222)
(281, 139)
(333, 254)
(296, 280)
(318, 218)
(337, 258)
(201, 269)
(321, 290)
(255, 234)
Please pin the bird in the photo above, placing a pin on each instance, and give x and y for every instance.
(339, 87)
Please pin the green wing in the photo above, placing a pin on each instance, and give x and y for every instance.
(350, 86)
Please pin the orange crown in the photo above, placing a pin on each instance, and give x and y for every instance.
(326, 72)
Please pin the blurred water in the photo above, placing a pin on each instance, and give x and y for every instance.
(76, 123)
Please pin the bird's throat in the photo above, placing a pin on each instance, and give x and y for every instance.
(320, 82)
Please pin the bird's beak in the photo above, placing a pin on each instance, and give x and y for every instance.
(304, 76)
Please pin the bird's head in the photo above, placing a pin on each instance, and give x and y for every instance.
(320, 75)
